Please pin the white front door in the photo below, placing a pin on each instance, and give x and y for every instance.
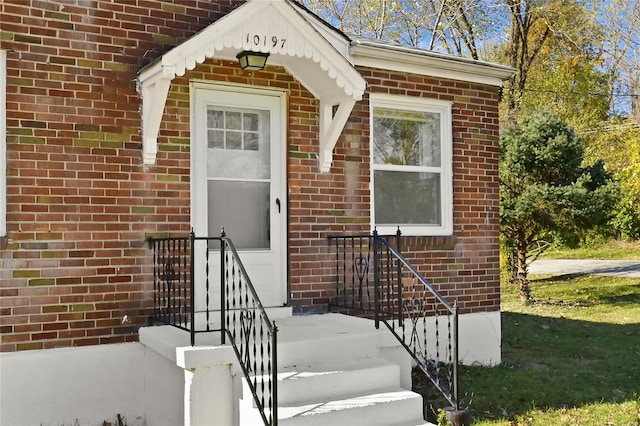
(239, 185)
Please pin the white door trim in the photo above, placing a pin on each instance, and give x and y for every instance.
(199, 174)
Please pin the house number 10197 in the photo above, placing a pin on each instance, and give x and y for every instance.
(259, 40)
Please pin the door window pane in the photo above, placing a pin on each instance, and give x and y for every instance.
(252, 142)
(239, 145)
(215, 138)
(242, 208)
(233, 120)
(251, 122)
(215, 119)
(239, 173)
(234, 140)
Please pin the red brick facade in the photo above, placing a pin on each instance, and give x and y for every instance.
(75, 268)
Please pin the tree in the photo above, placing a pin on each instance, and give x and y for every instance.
(544, 190)
(621, 24)
(453, 26)
(370, 18)
(462, 27)
(552, 42)
(568, 76)
(577, 58)
(554, 46)
(618, 145)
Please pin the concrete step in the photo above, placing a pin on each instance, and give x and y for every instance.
(312, 382)
(343, 373)
(384, 407)
(324, 348)
(358, 391)
(319, 338)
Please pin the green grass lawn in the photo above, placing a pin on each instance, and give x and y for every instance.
(618, 250)
(570, 358)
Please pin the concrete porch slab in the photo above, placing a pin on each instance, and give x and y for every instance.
(291, 328)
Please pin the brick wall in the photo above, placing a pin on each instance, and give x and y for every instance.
(75, 269)
(465, 266)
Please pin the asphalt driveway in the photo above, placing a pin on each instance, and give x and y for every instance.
(621, 268)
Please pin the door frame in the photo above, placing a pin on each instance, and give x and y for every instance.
(199, 222)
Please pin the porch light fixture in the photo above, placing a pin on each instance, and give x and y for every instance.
(252, 61)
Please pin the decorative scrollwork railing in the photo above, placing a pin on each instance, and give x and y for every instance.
(243, 319)
(375, 280)
(172, 286)
(252, 335)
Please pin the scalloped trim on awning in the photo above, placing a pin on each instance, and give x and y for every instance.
(273, 26)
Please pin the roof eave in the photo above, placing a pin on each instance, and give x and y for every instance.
(371, 53)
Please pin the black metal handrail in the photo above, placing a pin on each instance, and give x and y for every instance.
(246, 324)
(243, 319)
(375, 280)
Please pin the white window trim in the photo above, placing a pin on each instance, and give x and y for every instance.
(3, 143)
(446, 170)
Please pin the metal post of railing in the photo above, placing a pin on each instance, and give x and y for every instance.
(400, 284)
(206, 283)
(192, 288)
(338, 271)
(223, 325)
(274, 373)
(171, 289)
(455, 356)
(156, 287)
(376, 278)
(456, 415)
(352, 250)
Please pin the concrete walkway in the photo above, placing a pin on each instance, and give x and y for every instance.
(621, 268)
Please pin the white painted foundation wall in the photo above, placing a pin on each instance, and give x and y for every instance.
(158, 382)
(73, 386)
(480, 338)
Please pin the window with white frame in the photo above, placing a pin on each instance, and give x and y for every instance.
(411, 165)
(3, 144)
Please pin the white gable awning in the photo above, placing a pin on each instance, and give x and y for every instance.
(276, 27)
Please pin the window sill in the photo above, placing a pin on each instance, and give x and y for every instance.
(415, 231)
